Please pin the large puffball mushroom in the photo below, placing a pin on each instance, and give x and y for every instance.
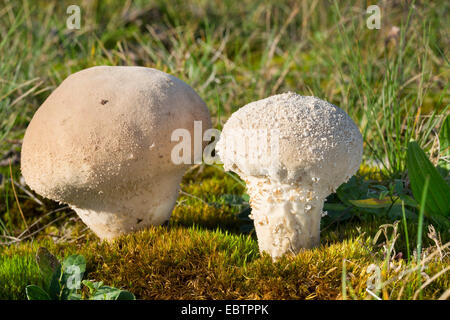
(101, 143)
(292, 151)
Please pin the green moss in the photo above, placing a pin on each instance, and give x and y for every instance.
(16, 271)
(231, 52)
(192, 263)
(202, 253)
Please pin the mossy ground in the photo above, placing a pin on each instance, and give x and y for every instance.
(208, 251)
(391, 82)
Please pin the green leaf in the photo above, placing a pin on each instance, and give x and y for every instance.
(54, 288)
(126, 295)
(372, 203)
(73, 267)
(89, 284)
(106, 293)
(352, 189)
(93, 286)
(409, 201)
(398, 186)
(386, 202)
(74, 296)
(444, 142)
(444, 135)
(419, 168)
(48, 263)
(50, 268)
(36, 293)
(109, 293)
(77, 261)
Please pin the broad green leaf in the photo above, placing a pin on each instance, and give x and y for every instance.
(444, 142)
(441, 220)
(126, 295)
(54, 289)
(73, 267)
(74, 296)
(36, 293)
(93, 286)
(419, 168)
(47, 263)
(50, 268)
(352, 189)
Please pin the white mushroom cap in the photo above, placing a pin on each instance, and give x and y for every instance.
(101, 142)
(292, 151)
(314, 140)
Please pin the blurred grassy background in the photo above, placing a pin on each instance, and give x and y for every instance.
(234, 52)
(393, 82)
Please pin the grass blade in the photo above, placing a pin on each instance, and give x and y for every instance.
(420, 229)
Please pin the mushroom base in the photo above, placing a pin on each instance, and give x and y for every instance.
(111, 217)
(108, 225)
(286, 217)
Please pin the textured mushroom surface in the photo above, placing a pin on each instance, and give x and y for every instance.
(292, 151)
(101, 143)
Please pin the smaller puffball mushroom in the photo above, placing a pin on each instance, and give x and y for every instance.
(101, 143)
(292, 151)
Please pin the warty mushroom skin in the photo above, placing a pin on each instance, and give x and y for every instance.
(313, 147)
(101, 143)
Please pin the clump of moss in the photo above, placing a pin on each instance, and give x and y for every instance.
(202, 254)
(194, 263)
(16, 271)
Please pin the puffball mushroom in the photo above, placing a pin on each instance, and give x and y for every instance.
(292, 151)
(101, 143)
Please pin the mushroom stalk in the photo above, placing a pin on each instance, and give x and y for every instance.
(286, 217)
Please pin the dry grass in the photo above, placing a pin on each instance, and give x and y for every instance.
(394, 85)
